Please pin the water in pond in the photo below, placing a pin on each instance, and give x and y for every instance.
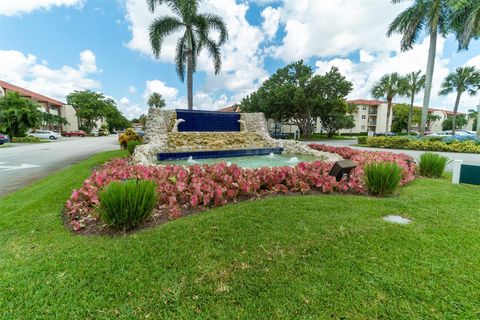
(271, 160)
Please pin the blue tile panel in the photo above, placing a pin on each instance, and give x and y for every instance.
(163, 156)
(470, 174)
(208, 121)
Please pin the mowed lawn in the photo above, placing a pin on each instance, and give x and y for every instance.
(305, 257)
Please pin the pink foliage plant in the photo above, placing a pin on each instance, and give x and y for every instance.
(199, 187)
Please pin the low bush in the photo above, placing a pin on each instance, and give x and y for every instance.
(127, 136)
(124, 204)
(432, 165)
(131, 146)
(362, 140)
(388, 142)
(183, 188)
(427, 144)
(25, 139)
(382, 178)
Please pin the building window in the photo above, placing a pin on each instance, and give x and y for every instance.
(363, 127)
(364, 117)
(364, 108)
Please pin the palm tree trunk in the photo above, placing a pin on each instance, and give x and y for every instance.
(190, 79)
(389, 107)
(455, 109)
(429, 77)
(478, 120)
(410, 114)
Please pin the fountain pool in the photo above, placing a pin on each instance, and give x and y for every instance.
(277, 160)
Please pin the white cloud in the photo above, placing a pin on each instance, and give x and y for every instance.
(271, 21)
(335, 28)
(128, 109)
(15, 7)
(158, 86)
(242, 67)
(369, 70)
(132, 89)
(25, 71)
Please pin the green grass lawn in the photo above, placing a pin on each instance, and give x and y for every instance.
(310, 257)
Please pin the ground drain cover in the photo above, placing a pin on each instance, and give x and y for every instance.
(397, 219)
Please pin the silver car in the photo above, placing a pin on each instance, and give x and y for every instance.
(44, 134)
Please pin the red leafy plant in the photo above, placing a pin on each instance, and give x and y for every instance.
(182, 188)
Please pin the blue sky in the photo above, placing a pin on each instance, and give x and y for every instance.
(56, 46)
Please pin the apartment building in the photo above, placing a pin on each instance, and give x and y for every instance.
(46, 104)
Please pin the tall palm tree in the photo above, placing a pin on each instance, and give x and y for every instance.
(196, 29)
(389, 86)
(466, 79)
(413, 83)
(156, 101)
(434, 17)
(465, 21)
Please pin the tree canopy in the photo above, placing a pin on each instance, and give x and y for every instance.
(295, 94)
(92, 106)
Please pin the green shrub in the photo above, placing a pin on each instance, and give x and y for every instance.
(25, 139)
(124, 204)
(382, 178)
(362, 140)
(131, 146)
(388, 142)
(427, 144)
(432, 165)
(128, 135)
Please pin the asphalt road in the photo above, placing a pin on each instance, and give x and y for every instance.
(23, 164)
(467, 158)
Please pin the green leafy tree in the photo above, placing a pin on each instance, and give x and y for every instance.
(156, 101)
(196, 28)
(389, 86)
(433, 17)
(18, 114)
(460, 122)
(90, 107)
(143, 120)
(464, 79)
(465, 21)
(295, 94)
(413, 83)
(115, 118)
(53, 119)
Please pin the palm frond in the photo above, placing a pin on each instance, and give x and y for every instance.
(409, 24)
(160, 29)
(214, 50)
(181, 57)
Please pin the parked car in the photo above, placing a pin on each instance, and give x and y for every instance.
(279, 135)
(140, 132)
(44, 134)
(75, 133)
(103, 132)
(469, 132)
(389, 134)
(4, 138)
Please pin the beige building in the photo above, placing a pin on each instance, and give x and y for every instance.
(46, 104)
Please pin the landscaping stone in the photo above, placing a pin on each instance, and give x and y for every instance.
(396, 219)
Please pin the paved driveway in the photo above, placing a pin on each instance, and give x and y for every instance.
(22, 164)
(468, 158)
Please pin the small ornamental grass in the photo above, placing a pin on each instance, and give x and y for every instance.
(131, 146)
(124, 204)
(383, 178)
(432, 165)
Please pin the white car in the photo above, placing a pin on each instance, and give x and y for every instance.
(44, 134)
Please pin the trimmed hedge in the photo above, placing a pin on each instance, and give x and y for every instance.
(426, 144)
(362, 140)
(25, 139)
